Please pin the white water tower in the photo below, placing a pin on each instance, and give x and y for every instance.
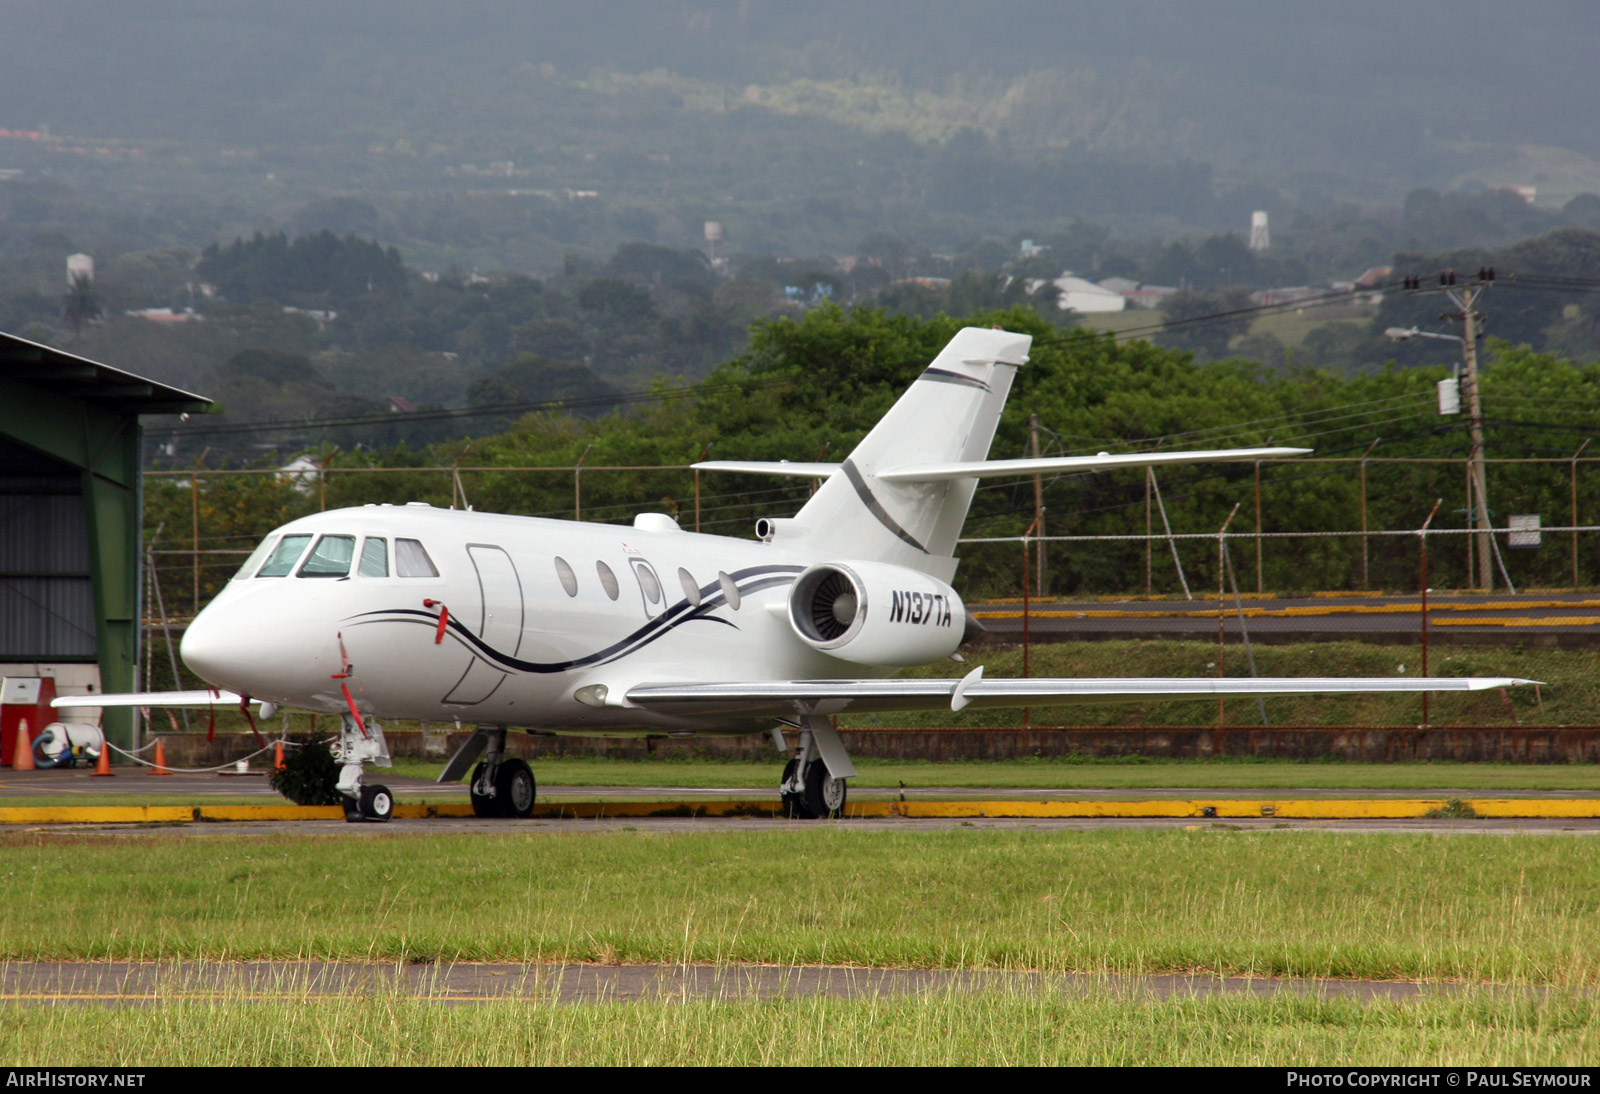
(80, 265)
(1260, 238)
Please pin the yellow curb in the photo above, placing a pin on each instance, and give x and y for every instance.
(1221, 808)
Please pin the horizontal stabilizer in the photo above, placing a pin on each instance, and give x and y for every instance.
(785, 698)
(1047, 465)
(153, 699)
(765, 467)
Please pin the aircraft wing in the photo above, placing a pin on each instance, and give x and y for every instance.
(786, 698)
(153, 699)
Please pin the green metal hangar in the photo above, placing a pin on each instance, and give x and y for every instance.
(70, 529)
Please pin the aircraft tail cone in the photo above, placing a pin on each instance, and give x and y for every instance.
(104, 766)
(22, 749)
(160, 767)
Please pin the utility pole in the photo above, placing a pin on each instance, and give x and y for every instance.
(1465, 298)
(1038, 501)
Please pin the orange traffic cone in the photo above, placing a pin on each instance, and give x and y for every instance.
(161, 760)
(104, 766)
(22, 749)
(277, 757)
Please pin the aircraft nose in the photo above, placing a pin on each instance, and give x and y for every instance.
(214, 647)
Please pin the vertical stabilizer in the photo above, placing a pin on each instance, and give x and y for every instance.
(949, 414)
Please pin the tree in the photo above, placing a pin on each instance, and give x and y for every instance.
(1199, 321)
(81, 304)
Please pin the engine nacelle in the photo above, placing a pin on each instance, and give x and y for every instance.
(876, 614)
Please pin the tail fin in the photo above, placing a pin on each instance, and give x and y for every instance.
(948, 415)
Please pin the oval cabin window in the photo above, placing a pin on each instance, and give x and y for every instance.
(568, 579)
(608, 580)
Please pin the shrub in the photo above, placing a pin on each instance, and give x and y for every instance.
(310, 773)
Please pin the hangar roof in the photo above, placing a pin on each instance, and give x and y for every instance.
(91, 381)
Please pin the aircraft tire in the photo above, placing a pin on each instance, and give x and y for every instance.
(824, 795)
(482, 806)
(514, 789)
(377, 804)
(352, 808)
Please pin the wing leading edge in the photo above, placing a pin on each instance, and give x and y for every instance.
(153, 699)
(785, 698)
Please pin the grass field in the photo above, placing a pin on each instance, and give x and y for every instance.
(1273, 903)
(1094, 1028)
(1510, 921)
(1072, 772)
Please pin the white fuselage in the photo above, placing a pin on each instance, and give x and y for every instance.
(532, 619)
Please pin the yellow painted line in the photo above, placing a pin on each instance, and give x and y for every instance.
(1298, 809)
(1520, 621)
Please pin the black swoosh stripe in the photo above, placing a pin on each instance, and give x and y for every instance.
(875, 507)
(945, 376)
(680, 613)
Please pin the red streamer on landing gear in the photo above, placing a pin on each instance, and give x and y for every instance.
(211, 730)
(244, 708)
(351, 703)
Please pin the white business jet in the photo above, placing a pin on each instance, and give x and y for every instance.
(557, 627)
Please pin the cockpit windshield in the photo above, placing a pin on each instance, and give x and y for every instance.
(255, 558)
(331, 557)
(281, 562)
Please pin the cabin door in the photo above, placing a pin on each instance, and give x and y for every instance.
(496, 619)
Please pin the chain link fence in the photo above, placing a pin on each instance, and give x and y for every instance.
(1246, 592)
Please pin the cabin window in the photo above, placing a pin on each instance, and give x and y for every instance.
(730, 589)
(255, 558)
(331, 557)
(374, 557)
(608, 580)
(648, 582)
(691, 587)
(411, 560)
(568, 579)
(281, 562)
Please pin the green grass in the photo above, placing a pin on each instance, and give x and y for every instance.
(1291, 329)
(1271, 903)
(1063, 773)
(997, 1028)
(1571, 695)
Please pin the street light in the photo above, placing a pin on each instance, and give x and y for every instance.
(1400, 334)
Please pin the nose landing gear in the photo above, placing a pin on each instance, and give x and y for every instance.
(358, 746)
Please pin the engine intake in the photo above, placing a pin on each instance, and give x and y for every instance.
(876, 614)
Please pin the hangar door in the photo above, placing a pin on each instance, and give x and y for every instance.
(46, 591)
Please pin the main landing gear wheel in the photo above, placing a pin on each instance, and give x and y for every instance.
(376, 804)
(823, 796)
(514, 789)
